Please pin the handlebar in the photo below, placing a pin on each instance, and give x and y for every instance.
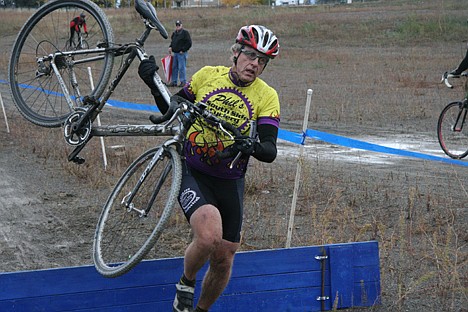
(446, 76)
(179, 106)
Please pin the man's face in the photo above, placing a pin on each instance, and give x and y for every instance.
(250, 64)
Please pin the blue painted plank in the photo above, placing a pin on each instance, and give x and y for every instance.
(351, 265)
(53, 281)
(368, 274)
(124, 296)
(163, 272)
(341, 275)
(366, 254)
(284, 279)
(293, 300)
(276, 260)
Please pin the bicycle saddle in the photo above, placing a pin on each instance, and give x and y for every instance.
(148, 12)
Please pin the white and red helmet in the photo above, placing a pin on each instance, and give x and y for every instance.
(260, 38)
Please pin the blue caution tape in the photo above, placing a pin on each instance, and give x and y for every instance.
(291, 136)
(134, 106)
(352, 143)
(299, 138)
(112, 103)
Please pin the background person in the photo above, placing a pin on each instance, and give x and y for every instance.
(462, 66)
(75, 26)
(181, 42)
(211, 194)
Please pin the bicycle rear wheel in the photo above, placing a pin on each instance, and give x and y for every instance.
(123, 235)
(35, 87)
(452, 131)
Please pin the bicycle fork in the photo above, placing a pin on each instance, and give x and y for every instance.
(127, 200)
(461, 117)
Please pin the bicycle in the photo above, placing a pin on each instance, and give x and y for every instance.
(139, 206)
(451, 131)
(78, 43)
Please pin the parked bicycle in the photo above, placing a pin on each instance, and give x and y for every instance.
(451, 130)
(47, 86)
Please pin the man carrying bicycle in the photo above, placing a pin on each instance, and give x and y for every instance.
(211, 194)
(76, 24)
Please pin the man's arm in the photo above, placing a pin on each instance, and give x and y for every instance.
(146, 72)
(265, 150)
(187, 41)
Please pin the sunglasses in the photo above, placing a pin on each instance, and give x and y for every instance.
(251, 55)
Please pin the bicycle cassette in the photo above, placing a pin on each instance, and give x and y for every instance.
(73, 134)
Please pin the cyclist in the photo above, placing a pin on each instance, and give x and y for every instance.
(462, 66)
(211, 194)
(76, 24)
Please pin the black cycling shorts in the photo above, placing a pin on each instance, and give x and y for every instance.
(199, 189)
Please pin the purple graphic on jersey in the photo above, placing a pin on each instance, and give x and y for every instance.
(246, 103)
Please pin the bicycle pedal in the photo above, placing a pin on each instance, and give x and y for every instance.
(78, 160)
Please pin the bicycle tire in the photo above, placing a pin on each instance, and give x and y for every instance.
(123, 238)
(34, 86)
(453, 139)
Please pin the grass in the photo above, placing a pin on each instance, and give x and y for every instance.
(374, 68)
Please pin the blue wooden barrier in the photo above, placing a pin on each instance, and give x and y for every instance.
(268, 280)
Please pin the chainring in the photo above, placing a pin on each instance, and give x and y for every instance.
(76, 138)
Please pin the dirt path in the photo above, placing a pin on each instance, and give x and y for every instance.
(41, 221)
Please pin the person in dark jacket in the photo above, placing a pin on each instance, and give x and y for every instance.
(181, 42)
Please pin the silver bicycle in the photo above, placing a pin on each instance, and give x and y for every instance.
(50, 89)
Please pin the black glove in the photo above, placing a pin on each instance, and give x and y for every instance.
(146, 71)
(244, 144)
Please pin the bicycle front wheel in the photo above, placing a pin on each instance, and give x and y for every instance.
(41, 44)
(452, 131)
(137, 211)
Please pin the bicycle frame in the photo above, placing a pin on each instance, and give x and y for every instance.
(128, 200)
(463, 104)
(67, 58)
(460, 121)
(132, 50)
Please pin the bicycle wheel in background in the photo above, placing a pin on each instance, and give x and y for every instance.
(34, 86)
(452, 130)
(123, 236)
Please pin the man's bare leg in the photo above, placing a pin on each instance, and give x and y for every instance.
(207, 234)
(218, 274)
(208, 244)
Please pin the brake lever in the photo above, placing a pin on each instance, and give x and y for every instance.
(252, 134)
